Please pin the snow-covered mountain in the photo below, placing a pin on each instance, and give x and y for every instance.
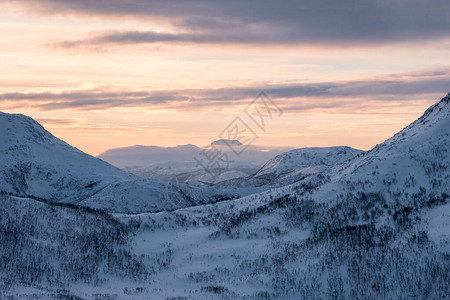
(374, 227)
(34, 163)
(295, 165)
(413, 163)
(306, 160)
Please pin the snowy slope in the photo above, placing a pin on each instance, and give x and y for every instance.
(59, 245)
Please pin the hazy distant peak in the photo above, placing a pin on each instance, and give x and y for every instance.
(224, 142)
(187, 146)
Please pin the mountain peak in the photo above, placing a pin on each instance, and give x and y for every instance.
(224, 142)
(439, 105)
(435, 119)
(436, 112)
(18, 129)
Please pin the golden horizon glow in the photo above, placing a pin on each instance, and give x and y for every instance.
(213, 83)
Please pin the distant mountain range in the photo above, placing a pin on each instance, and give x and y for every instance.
(182, 161)
(146, 156)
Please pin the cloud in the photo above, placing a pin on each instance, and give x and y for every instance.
(292, 96)
(56, 121)
(139, 37)
(266, 21)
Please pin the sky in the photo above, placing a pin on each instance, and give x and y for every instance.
(112, 73)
